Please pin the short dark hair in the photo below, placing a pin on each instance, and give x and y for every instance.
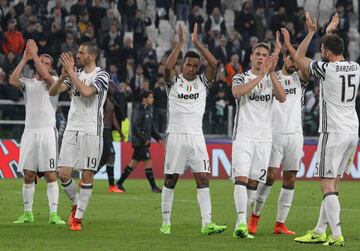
(92, 48)
(261, 45)
(146, 93)
(191, 54)
(333, 43)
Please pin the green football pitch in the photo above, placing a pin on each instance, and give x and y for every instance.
(131, 221)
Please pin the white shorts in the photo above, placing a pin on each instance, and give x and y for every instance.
(250, 159)
(38, 150)
(80, 150)
(184, 151)
(335, 154)
(288, 150)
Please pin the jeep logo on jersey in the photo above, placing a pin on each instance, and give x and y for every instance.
(290, 91)
(255, 97)
(188, 96)
(76, 92)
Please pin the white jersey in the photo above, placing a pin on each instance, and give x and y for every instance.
(86, 113)
(186, 104)
(339, 82)
(39, 105)
(286, 116)
(253, 110)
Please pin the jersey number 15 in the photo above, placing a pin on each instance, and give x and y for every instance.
(346, 84)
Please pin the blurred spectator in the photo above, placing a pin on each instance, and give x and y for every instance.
(232, 68)
(290, 6)
(108, 20)
(71, 26)
(260, 23)
(147, 52)
(235, 43)
(160, 104)
(139, 24)
(79, 8)
(137, 81)
(9, 63)
(59, 5)
(210, 5)
(97, 12)
(26, 17)
(127, 50)
(248, 51)
(14, 39)
(244, 22)
(223, 51)
(182, 9)
(162, 10)
(6, 90)
(128, 69)
(278, 20)
(111, 45)
(195, 17)
(220, 117)
(114, 74)
(122, 97)
(84, 22)
(33, 30)
(127, 10)
(57, 17)
(70, 44)
(56, 39)
(89, 35)
(215, 23)
(43, 46)
(18, 8)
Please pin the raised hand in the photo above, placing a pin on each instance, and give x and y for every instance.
(333, 24)
(274, 60)
(277, 44)
(194, 35)
(311, 25)
(26, 55)
(181, 32)
(67, 62)
(32, 48)
(286, 36)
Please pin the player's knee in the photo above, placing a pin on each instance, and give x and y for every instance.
(170, 181)
(28, 179)
(289, 180)
(50, 176)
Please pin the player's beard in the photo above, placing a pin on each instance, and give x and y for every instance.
(290, 70)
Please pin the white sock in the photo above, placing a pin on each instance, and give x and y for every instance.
(28, 191)
(284, 203)
(70, 189)
(53, 196)
(167, 198)
(251, 195)
(332, 209)
(203, 198)
(83, 201)
(322, 221)
(241, 199)
(262, 194)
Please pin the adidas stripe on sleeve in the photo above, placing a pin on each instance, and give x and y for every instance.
(101, 81)
(318, 69)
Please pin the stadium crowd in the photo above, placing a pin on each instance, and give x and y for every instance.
(133, 58)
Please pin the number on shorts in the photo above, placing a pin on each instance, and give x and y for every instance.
(52, 163)
(206, 165)
(262, 177)
(91, 162)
